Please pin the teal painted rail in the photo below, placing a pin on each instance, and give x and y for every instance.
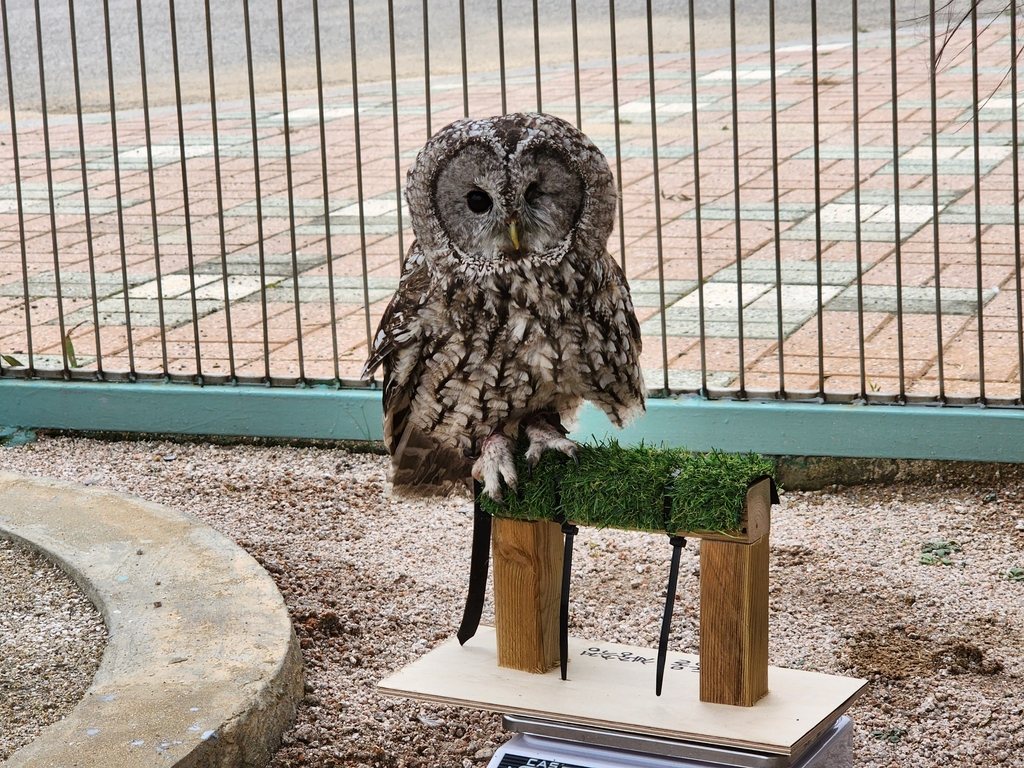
(326, 413)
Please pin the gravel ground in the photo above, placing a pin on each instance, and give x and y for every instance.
(373, 583)
(51, 640)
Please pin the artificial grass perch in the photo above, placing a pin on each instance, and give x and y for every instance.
(640, 488)
(667, 490)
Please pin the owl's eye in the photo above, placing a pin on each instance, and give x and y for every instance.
(479, 201)
(533, 193)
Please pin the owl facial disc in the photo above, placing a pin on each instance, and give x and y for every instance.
(487, 194)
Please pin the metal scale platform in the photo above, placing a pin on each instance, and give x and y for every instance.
(605, 715)
(545, 744)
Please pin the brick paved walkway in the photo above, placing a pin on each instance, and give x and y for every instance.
(194, 323)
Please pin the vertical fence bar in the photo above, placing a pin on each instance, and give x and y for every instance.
(536, 55)
(220, 192)
(695, 129)
(465, 66)
(148, 126)
(501, 57)
(426, 82)
(260, 247)
(816, 118)
(737, 217)
(323, 166)
(1015, 137)
(394, 122)
(117, 189)
(576, 65)
(933, 95)
(977, 200)
(858, 241)
(657, 186)
(18, 192)
(291, 190)
(775, 197)
(90, 250)
(618, 132)
(183, 157)
(898, 239)
(49, 189)
(359, 152)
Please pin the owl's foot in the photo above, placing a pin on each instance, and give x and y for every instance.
(546, 437)
(496, 463)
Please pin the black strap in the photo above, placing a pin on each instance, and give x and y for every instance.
(570, 532)
(478, 565)
(677, 542)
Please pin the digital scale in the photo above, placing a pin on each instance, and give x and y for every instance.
(606, 714)
(545, 744)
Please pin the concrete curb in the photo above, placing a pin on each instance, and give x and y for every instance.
(201, 667)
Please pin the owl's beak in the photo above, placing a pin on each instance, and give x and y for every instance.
(513, 232)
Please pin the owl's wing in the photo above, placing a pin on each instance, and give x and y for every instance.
(418, 464)
(394, 325)
(617, 385)
(619, 278)
(397, 346)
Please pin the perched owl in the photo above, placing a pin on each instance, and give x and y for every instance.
(510, 311)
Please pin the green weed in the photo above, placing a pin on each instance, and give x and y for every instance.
(891, 735)
(938, 552)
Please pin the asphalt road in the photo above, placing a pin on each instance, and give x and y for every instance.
(229, 44)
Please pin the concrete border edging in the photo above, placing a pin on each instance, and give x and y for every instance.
(201, 667)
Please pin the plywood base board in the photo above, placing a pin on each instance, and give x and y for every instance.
(612, 686)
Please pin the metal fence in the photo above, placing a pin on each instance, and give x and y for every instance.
(819, 199)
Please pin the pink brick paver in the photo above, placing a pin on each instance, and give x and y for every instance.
(376, 251)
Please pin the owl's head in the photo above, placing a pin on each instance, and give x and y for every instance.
(486, 195)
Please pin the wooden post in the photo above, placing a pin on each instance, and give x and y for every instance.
(734, 614)
(527, 560)
(733, 622)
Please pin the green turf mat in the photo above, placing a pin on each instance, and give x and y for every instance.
(638, 488)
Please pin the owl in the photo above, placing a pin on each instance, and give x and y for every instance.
(510, 312)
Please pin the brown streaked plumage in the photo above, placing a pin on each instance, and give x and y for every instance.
(510, 312)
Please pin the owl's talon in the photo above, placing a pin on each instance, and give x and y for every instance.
(496, 464)
(545, 437)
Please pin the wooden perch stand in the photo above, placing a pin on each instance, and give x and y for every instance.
(527, 562)
(527, 558)
(610, 686)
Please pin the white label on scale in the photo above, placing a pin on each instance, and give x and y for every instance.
(510, 760)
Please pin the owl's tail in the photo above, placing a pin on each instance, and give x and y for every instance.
(421, 467)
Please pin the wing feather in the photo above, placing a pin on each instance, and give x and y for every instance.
(419, 465)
